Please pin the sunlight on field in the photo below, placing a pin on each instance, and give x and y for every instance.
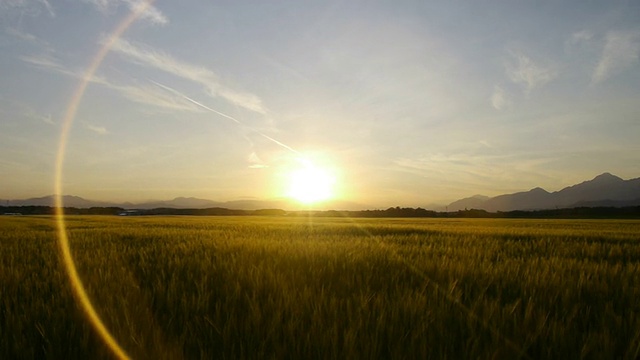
(280, 287)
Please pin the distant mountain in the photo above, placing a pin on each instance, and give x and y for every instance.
(178, 203)
(182, 203)
(473, 202)
(69, 201)
(603, 190)
(602, 187)
(533, 199)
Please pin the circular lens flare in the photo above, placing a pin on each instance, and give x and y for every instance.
(63, 241)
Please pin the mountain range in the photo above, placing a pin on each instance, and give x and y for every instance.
(177, 203)
(603, 190)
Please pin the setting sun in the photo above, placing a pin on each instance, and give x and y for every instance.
(310, 184)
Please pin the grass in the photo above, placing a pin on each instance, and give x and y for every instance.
(276, 287)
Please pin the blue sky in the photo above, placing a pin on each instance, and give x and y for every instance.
(406, 102)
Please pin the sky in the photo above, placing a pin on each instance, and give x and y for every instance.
(404, 103)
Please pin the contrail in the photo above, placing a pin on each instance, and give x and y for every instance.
(277, 142)
(176, 92)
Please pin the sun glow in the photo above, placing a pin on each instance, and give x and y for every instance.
(310, 184)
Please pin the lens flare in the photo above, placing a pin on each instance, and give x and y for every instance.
(63, 240)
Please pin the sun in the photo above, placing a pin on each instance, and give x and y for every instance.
(311, 184)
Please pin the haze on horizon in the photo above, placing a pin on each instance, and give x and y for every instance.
(403, 103)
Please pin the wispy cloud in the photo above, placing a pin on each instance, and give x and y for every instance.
(145, 56)
(500, 99)
(203, 106)
(580, 37)
(49, 62)
(151, 13)
(151, 95)
(492, 173)
(22, 35)
(148, 94)
(621, 50)
(25, 8)
(522, 70)
(97, 129)
(46, 61)
(47, 119)
(579, 41)
(255, 162)
(48, 7)
(33, 114)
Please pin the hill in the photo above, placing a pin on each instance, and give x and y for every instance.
(603, 190)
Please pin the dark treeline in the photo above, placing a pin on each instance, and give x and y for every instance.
(217, 211)
(632, 212)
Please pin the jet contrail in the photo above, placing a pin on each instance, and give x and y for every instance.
(176, 92)
(277, 142)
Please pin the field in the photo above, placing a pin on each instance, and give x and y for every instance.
(324, 288)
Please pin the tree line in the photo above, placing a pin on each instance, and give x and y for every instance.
(631, 212)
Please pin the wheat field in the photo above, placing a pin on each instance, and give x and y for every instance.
(324, 288)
